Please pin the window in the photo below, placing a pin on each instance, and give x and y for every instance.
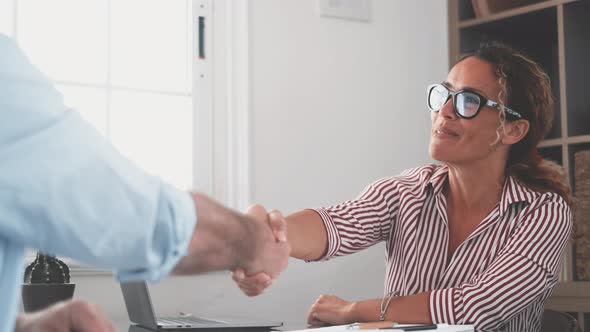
(124, 65)
(127, 66)
(6, 17)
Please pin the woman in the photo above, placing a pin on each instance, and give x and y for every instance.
(476, 240)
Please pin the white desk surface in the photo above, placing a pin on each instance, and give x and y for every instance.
(345, 328)
(123, 326)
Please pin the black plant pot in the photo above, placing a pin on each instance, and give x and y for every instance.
(40, 296)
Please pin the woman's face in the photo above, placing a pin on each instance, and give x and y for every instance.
(459, 141)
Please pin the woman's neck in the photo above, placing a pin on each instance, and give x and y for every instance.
(475, 186)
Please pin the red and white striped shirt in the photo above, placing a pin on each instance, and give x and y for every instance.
(499, 278)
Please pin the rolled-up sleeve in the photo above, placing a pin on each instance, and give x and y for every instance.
(65, 190)
(525, 270)
(173, 227)
(360, 223)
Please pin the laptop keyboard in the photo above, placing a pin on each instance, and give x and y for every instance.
(186, 321)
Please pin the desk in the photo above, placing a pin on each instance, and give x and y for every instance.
(343, 328)
(126, 327)
(140, 329)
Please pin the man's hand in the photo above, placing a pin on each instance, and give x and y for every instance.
(272, 247)
(253, 284)
(224, 239)
(67, 316)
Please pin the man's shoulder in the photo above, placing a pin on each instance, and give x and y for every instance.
(15, 65)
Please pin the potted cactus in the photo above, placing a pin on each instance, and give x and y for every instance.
(46, 281)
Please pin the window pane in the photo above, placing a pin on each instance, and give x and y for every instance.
(67, 39)
(153, 51)
(6, 16)
(90, 102)
(155, 131)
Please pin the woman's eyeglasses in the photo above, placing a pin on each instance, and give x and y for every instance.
(466, 103)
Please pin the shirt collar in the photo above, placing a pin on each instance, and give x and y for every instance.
(438, 179)
(513, 191)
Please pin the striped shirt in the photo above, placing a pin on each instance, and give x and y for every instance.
(498, 279)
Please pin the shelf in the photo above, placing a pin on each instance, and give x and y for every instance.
(534, 28)
(579, 139)
(551, 142)
(533, 33)
(573, 148)
(576, 24)
(511, 13)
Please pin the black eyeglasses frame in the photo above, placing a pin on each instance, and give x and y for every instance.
(483, 101)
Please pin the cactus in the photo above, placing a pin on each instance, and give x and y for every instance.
(47, 269)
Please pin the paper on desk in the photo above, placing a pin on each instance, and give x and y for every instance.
(343, 328)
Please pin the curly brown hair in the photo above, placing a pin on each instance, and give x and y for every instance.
(526, 88)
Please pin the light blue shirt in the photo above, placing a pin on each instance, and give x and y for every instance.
(65, 190)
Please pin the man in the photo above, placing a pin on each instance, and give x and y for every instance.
(65, 190)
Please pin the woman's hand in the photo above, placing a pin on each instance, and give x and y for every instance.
(67, 316)
(330, 310)
(251, 285)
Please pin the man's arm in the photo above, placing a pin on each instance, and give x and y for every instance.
(224, 239)
(67, 191)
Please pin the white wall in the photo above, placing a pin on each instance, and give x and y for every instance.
(336, 104)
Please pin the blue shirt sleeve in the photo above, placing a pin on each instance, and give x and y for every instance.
(65, 190)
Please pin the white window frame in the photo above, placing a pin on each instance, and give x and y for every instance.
(221, 106)
(76, 267)
(222, 103)
(108, 87)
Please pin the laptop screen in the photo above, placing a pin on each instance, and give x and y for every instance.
(141, 312)
(139, 304)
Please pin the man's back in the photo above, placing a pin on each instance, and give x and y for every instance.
(65, 190)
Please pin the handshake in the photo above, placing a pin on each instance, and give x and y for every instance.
(253, 245)
(271, 256)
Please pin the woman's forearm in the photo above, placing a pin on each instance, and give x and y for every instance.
(403, 309)
(307, 235)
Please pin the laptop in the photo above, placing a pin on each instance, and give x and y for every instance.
(141, 312)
